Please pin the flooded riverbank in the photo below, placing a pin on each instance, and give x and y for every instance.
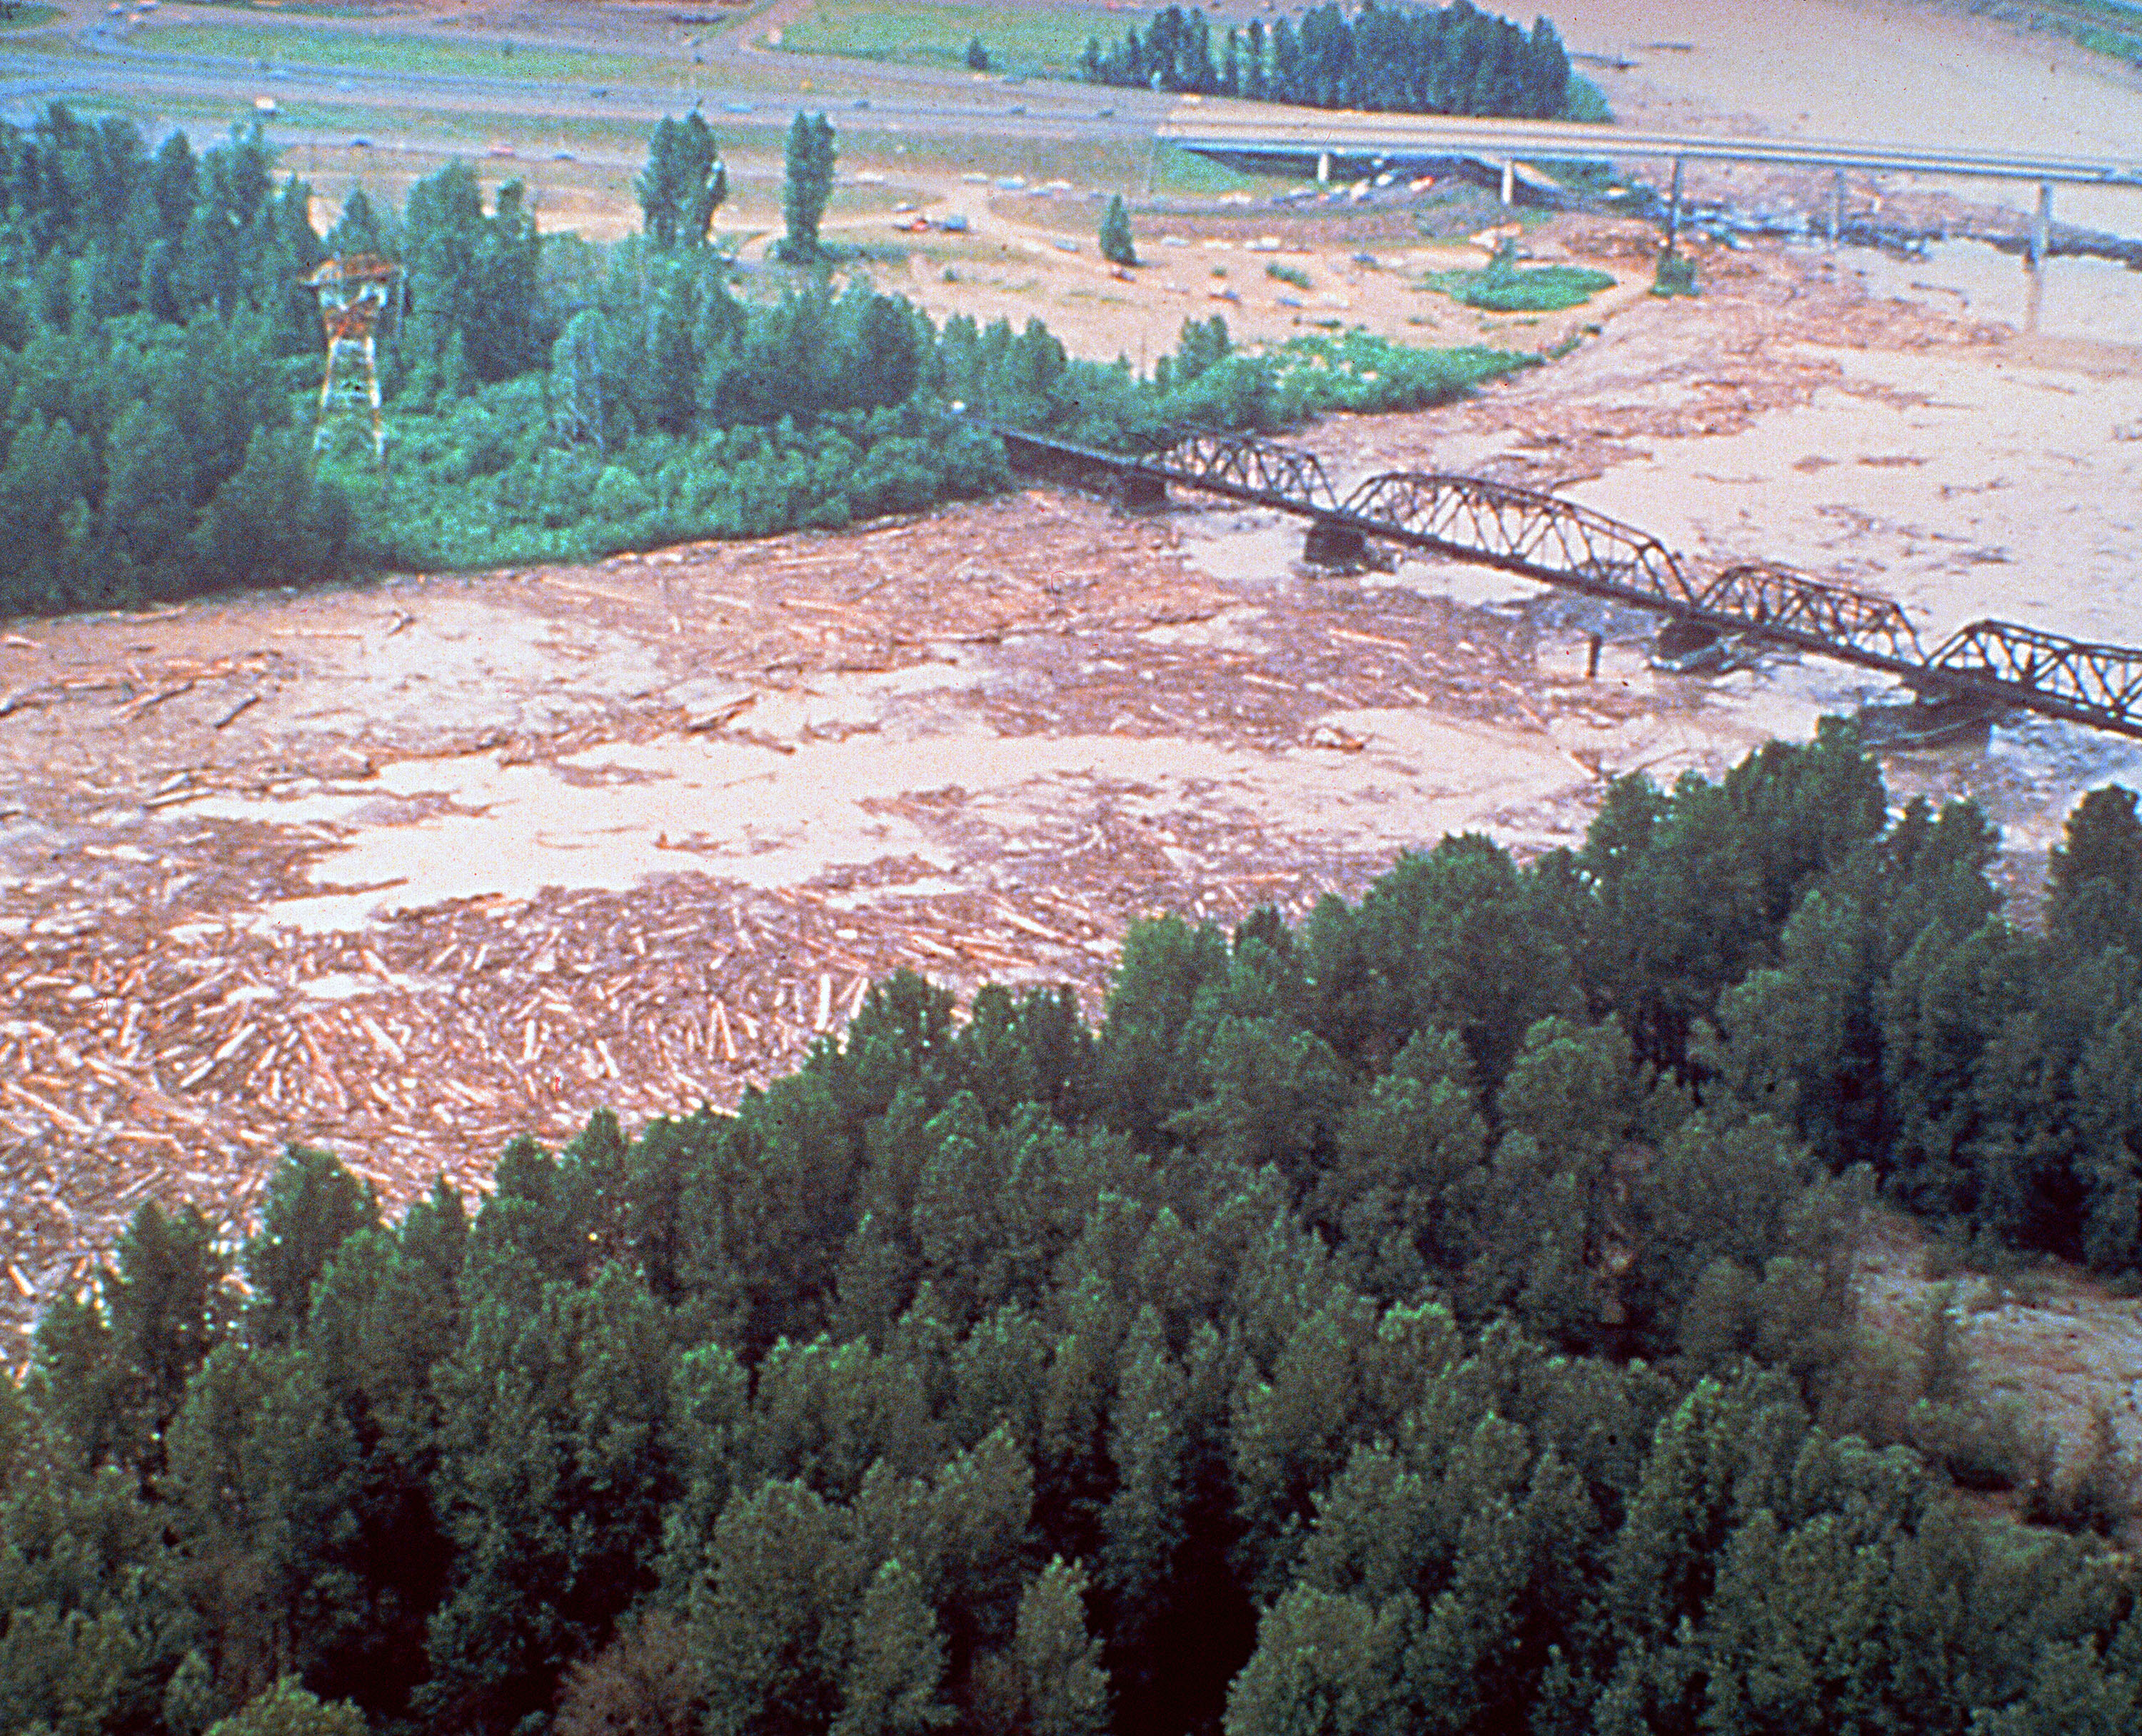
(401, 870)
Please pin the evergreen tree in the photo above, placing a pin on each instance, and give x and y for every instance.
(1117, 244)
(287, 1709)
(684, 184)
(807, 185)
(2093, 890)
(892, 1684)
(1062, 1684)
(313, 1206)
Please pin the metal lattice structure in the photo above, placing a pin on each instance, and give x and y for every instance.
(1557, 542)
(2088, 684)
(1767, 596)
(1520, 530)
(1247, 467)
(355, 292)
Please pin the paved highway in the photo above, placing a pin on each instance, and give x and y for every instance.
(747, 88)
(732, 81)
(1244, 129)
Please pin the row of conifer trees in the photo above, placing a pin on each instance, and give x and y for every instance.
(1455, 60)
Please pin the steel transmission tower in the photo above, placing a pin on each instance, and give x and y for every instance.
(355, 292)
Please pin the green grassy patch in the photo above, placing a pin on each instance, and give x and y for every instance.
(32, 17)
(1358, 370)
(47, 45)
(1185, 174)
(298, 8)
(1503, 289)
(351, 52)
(2102, 27)
(1288, 274)
(1675, 275)
(1031, 41)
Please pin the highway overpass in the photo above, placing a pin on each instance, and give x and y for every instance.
(1235, 129)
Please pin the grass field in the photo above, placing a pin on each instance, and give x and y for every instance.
(32, 17)
(1032, 42)
(1184, 173)
(351, 52)
(2110, 28)
(206, 119)
(1502, 288)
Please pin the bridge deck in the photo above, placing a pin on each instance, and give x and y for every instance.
(1235, 127)
(1556, 542)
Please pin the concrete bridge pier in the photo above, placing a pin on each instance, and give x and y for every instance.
(1140, 491)
(1509, 180)
(1836, 207)
(1333, 544)
(1673, 209)
(2041, 225)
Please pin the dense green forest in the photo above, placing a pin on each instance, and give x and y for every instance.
(1455, 60)
(159, 360)
(1438, 1316)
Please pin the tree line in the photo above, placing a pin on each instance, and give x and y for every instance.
(1452, 60)
(1436, 1315)
(160, 361)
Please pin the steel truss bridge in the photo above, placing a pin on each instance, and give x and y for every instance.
(1556, 542)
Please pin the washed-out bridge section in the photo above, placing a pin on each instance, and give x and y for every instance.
(1556, 542)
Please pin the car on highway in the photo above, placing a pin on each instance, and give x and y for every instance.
(500, 148)
(563, 156)
(360, 144)
(736, 108)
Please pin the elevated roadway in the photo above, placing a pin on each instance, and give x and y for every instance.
(1235, 129)
(1246, 129)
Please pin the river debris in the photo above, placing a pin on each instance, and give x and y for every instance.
(167, 1029)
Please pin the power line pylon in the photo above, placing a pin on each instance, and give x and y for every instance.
(355, 291)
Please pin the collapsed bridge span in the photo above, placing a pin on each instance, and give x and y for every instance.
(1557, 542)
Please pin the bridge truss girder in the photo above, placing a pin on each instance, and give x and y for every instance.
(1556, 542)
(2088, 684)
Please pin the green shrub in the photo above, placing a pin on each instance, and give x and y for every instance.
(1118, 245)
(1288, 274)
(1503, 287)
(1675, 275)
(287, 1709)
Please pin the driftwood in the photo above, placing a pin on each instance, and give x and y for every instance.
(156, 1045)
